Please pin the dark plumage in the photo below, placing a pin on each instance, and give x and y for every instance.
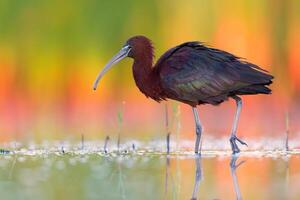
(194, 74)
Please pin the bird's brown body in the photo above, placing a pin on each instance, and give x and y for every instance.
(194, 74)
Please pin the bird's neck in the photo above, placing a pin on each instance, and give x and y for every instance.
(146, 78)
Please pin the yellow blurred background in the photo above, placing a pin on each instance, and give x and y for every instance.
(51, 52)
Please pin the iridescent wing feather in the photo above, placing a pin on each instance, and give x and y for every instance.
(194, 73)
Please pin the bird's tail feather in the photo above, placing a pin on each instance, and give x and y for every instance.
(254, 89)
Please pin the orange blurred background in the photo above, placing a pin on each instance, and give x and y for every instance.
(51, 52)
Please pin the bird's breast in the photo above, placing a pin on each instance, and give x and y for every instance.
(150, 86)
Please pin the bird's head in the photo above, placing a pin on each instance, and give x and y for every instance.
(140, 46)
(135, 47)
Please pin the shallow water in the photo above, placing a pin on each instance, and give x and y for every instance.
(149, 176)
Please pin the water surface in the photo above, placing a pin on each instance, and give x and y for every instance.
(149, 176)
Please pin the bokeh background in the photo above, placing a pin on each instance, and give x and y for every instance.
(51, 52)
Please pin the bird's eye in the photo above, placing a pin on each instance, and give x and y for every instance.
(126, 46)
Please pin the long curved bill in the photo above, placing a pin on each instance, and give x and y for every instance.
(119, 56)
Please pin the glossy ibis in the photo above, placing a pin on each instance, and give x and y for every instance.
(194, 74)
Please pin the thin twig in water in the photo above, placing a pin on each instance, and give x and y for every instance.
(287, 125)
(168, 143)
(12, 168)
(176, 113)
(167, 128)
(82, 141)
(121, 182)
(4, 151)
(177, 187)
(120, 125)
(287, 176)
(167, 174)
(62, 148)
(118, 142)
(105, 144)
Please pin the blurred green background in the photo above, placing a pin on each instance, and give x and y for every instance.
(51, 52)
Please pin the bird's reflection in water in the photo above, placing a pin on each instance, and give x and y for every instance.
(198, 177)
(233, 167)
(234, 164)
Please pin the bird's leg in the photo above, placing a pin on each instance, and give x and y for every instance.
(198, 129)
(233, 137)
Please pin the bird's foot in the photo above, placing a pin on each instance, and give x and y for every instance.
(234, 146)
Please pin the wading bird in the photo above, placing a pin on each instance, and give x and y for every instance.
(194, 74)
